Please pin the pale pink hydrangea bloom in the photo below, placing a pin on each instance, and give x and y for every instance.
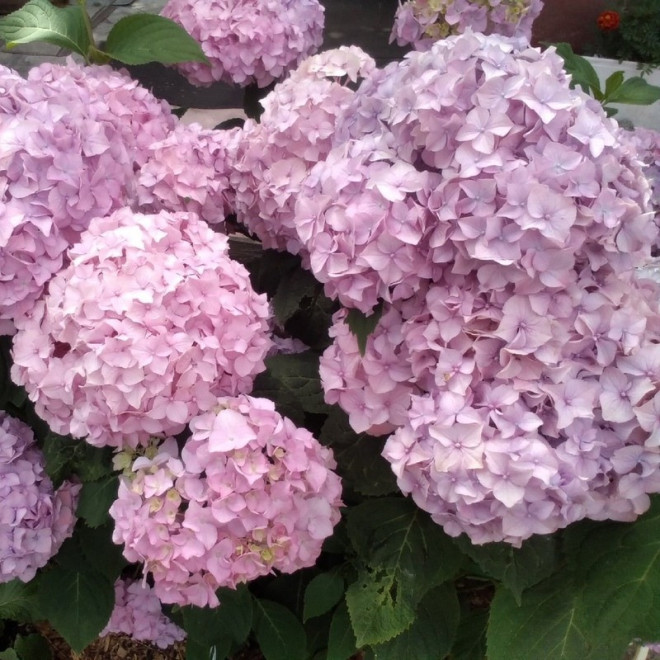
(294, 132)
(189, 170)
(35, 519)
(248, 41)
(250, 493)
(72, 138)
(421, 22)
(498, 218)
(147, 326)
(138, 614)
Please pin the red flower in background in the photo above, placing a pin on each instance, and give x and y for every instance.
(608, 20)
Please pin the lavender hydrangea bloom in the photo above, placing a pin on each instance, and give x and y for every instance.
(35, 519)
(294, 132)
(249, 493)
(421, 22)
(147, 326)
(138, 613)
(248, 41)
(498, 217)
(72, 138)
(189, 170)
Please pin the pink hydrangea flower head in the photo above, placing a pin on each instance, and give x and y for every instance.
(189, 171)
(294, 132)
(147, 326)
(497, 218)
(138, 614)
(250, 493)
(530, 168)
(72, 138)
(35, 519)
(248, 41)
(421, 22)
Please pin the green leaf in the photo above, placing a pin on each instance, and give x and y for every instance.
(65, 455)
(635, 91)
(359, 460)
(77, 604)
(232, 619)
(395, 534)
(142, 38)
(294, 286)
(581, 70)
(100, 553)
(32, 647)
(517, 568)
(279, 633)
(341, 640)
(547, 625)
(613, 82)
(379, 606)
(362, 325)
(9, 654)
(197, 651)
(470, 643)
(322, 593)
(39, 20)
(18, 600)
(621, 596)
(293, 383)
(432, 633)
(96, 498)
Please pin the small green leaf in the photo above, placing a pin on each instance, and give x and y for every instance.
(100, 552)
(18, 600)
(232, 619)
(359, 460)
(322, 593)
(96, 498)
(197, 651)
(517, 568)
(581, 70)
(77, 604)
(279, 633)
(341, 640)
(362, 325)
(39, 20)
(142, 38)
(9, 654)
(432, 633)
(293, 383)
(395, 534)
(379, 607)
(613, 82)
(293, 287)
(547, 625)
(470, 642)
(33, 647)
(635, 91)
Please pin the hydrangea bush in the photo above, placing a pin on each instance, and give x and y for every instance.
(375, 375)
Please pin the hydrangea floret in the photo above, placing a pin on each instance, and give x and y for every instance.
(294, 132)
(421, 22)
(138, 614)
(249, 493)
(248, 41)
(35, 519)
(72, 139)
(497, 217)
(147, 326)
